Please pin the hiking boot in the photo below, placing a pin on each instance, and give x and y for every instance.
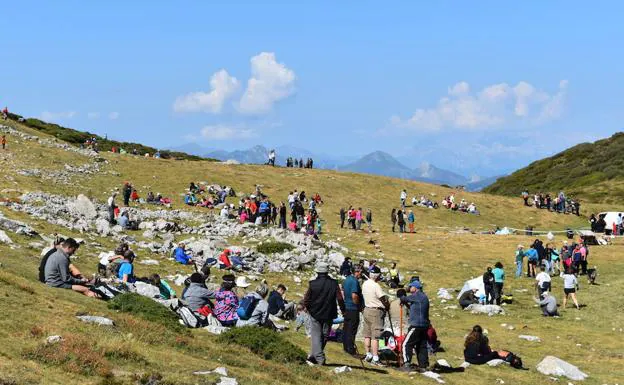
(408, 368)
(377, 363)
(368, 357)
(311, 361)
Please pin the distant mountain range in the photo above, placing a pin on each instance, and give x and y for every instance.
(378, 163)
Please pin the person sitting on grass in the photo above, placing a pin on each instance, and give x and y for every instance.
(224, 260)
(166, 292)
(548, 303)
(126, 269)
(468, 298)
(260, 314)
(197, 297)
(278, 306)
(226, 302)
(181, 256)
(57, 270)
(477, 349)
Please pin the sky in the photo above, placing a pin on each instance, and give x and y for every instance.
(481, 88)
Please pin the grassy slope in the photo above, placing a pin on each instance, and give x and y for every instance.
(441, 258)
(589, 171)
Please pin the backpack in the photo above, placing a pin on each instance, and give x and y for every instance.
(105, 291)
(190, 318)
(246, 307)
(42, 265)
(513, 360)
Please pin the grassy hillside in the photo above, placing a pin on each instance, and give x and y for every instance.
(443, 257)
(590, 171)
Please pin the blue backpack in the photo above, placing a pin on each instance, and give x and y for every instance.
(246, 307)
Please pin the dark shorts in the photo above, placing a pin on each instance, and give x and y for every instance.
(533, 262)
(569, 291)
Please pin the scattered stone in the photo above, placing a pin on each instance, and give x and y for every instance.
(146, 290)
(529, 338)
(553, 366)
(149, 262)
(434, 376)
(4, 238)
(342, 369)
(53, 339)
(82, 206)
(102, 321)
(227, 381)
(220, 371)
(444, 294)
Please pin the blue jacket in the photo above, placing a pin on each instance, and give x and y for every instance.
(276, 302)
(181, 256)
(532, 254)
(418, 309)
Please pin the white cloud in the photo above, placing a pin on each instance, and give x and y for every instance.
(493, 106)
(270, 82)
(225, 132)
(93, 115)
(113, 115)
(222, 87)
(56, 116)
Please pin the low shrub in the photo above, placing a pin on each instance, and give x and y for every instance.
(75, 354)
(265, 343)
(147, 309)
(274, 247)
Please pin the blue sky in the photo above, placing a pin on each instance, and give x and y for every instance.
(481, 88)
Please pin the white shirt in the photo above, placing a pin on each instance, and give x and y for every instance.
(105, 260)
(403, 195)
(541, 278)
(111, 201)
(569, 281)
(224, 212)
(291, 198)
(372, 292)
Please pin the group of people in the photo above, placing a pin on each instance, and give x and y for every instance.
(424, 202)
(356, 217)
(401, 217)
(558, 204)
(207, 196)
(463, 206)
(299, 163)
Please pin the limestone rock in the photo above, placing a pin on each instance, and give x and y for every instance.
(4, 238)
(82, 206)
(102, 321)
(553, 366)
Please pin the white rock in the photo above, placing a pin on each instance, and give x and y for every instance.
(221, 370)
(227, 381)
(434, 376)
(146, 290)
(53, 339)
(342, 369)
(103, 321)
(485, 309)
(444, 294)
(4, 238)
(553, 366)
(529, 338)
(149, 262)
(102, 226)
(82, 206)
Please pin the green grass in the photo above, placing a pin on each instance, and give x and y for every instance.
(274, 247)
(437, 253)
(265, 343)
(147, 309)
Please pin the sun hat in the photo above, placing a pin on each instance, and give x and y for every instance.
(322, 267)
(241, 281)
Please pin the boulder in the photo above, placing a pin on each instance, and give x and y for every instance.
(82, 207)
(4, 238)
(102, 226)
(53, 339)
(102, 321)
(553, 366)
(336, 259)
(147, 290)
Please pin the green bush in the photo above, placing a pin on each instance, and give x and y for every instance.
(147, 309)
(265, 343)
(274, 247)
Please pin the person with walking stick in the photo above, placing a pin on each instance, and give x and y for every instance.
(376, 305)
(416, 338)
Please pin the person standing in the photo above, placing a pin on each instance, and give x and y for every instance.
(343, 215)
(519, 260)
(542, 281)
(353, 306)
(320, 302)
(127, 191)
(393, 218)
(369, 220)
(488, 286)
(410, 221)
(111, 208)
(401, 221)
(358, 218)
(570, 285)
(282, 215)
(375, 306)
(416, 338)
(403, 198)
(499, 280)
(4, 142)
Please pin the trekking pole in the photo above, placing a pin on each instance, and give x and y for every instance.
(393, 335)
(401, 335)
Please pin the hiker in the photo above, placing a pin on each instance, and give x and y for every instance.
(127, 191)
(393, 218)
(4, 142)
(343, 215)
(570, 285)
(126, 268)
(272, 158)
(56, 245)
(499, 280)
(542, 281)
(358, 219)
(532, 258)
(123, 220)
(525, 197)
(477, 348)
(369, 220)
(320, 301)
(111, 208)
(468, 298)
(279, 307)
(197, 297)
(488, 286)
(57, 270)
(260, 314)
(416, 338)
(519, 260)
(403, 198)
(225, 212)
(224, 260)
(166, 292)
(181, 256)
(548, 304)
(393, 276)
(410, 221)
(347, 267)
(353, 306)
(226, 302)
(401, 221)
(352, 217)
(282, 216)
(376, 304)
(134, 196)
(104, 264)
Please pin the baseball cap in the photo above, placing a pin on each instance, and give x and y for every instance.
(415, 284)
